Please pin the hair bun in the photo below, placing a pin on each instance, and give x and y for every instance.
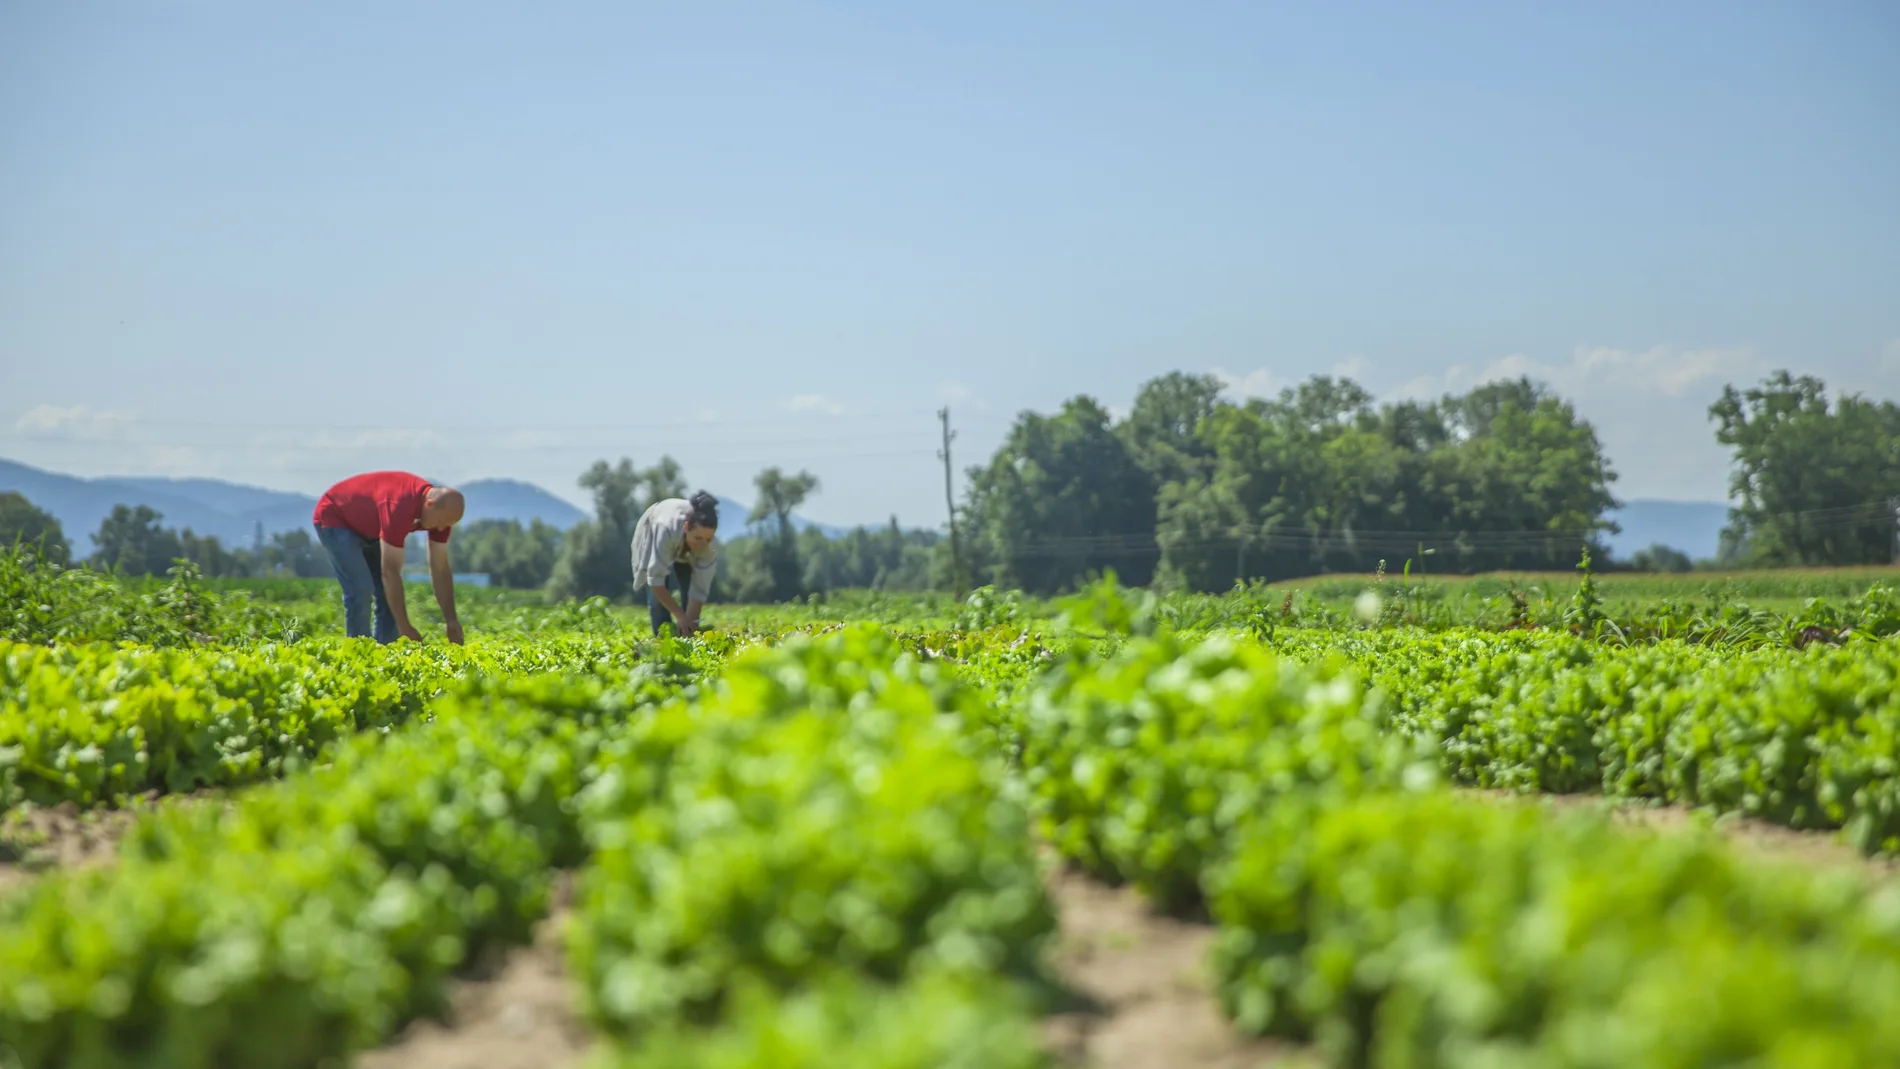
(705, 509)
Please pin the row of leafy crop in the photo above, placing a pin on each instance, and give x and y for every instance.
(94, 724)
(1363, 908)
(1591, 605)
(827, 819)
(310, 916)
(42, 602)
(1806, 738)
(820, 822)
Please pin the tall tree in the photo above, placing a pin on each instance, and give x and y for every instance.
(131, 542)
(511, 555)
(1809, 476)
(1321, 479)
(1162, 428)
(294, 552)
(1063, 497)
(25, 524)
(779, 494)
(597, 554)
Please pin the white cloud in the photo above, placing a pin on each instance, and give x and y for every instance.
(953, 391)
(76, 422)
(1353, 367)
(1668, 370)
(814, 402)
(1265, 383)
(1660, 371)
(707, 415)
(1260, 382)
(1890, 359)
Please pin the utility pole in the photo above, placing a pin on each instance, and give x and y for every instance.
(950, 503)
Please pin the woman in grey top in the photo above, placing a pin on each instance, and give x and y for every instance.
(673, 543)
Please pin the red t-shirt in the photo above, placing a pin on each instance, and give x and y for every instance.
(381, 504)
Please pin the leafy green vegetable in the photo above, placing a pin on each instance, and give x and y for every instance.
(824, 809)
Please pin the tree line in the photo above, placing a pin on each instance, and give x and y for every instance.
(1193, 490)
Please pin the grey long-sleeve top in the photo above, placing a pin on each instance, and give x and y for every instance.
(659, 542)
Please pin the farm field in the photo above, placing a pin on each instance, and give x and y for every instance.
(1359, 821)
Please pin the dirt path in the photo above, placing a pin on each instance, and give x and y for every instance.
(1142, 977)
(34, 840)
(1756, 838)
(520, 1016)
(1145, 976)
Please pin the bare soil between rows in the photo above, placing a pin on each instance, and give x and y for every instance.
(1144, 978)
(1140, 981)
(522, 1015)
(35, 840)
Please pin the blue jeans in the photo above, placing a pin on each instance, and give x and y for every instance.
(656, 612)
(359, 567)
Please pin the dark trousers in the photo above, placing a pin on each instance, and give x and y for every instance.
(680, 583)
(359, 567)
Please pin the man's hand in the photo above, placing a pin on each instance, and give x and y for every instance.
(409, 632)
(454, 629)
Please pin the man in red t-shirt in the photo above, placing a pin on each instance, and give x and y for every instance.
(363, 522)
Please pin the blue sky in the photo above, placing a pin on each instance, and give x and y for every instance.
(281, 243)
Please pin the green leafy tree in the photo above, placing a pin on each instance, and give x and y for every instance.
(1163, 427)
(1322, 479)
(512, 555)
(1065, 496)
(1811, 477)
(131, 542)
(867, 558)
(778, 495)
(23, 523)
(295, 553)
(211, 557)
(1661, 558)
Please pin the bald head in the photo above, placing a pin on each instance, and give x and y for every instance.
(442, 507)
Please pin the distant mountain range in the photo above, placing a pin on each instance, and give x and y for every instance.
(232, 511)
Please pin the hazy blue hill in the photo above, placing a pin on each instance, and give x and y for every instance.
(511, 499)
(80, 504)
(232, 499)
(232, 511)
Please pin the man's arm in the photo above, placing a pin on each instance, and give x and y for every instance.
(392, 591)
(442, 577)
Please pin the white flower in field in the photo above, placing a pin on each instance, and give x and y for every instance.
(1368, 606)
